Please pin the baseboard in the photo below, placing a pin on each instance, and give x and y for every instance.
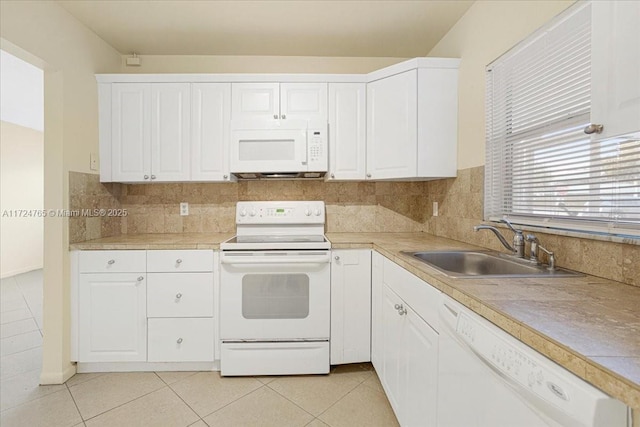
(48, 378)
(4, 274)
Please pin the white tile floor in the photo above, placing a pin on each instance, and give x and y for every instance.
(350, 396)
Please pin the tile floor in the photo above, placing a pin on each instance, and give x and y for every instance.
(350, 396)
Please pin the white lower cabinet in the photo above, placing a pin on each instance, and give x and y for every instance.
(181, 340)
(405, 350)
(112, 317)
(143, 306)
(350, 306)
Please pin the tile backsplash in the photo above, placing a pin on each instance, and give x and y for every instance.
(351, 207)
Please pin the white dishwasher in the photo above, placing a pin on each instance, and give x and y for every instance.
(487, 378)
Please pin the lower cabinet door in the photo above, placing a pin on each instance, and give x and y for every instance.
(112, 317)
(418, 372)
(392, 327)
(181, 340)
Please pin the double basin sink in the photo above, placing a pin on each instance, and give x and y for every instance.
(485, 264)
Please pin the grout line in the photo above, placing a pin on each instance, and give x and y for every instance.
(289, 400)
(120, 405)
(180, 397)
(75, 403)
(235, 400)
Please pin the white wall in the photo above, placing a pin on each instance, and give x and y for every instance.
(45, 34)
(256, 64)
(21, 188)
(486, 31)
(21, 165)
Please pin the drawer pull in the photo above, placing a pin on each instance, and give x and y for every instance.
(111, 261)
(140, 279)
(179, 341)
(178, 295)
(178, 261)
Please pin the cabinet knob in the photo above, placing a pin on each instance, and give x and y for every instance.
(153, 177)
(283, 116)
(337, 258)
(178, 295)
(111, 261)
(401, 309)
(178, 261)
(179, 341)
(275, 116)
(225, 176)
(333, 175)
(592, 128)
(397, 306)
(140, 279)
(146, 177)
(368, 175)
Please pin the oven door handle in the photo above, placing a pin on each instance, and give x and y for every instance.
(305, 259)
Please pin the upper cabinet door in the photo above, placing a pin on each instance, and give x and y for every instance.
(305, 101)
(255, 101)
(347, 131)
(170, 131)
(615, 67)
(131, 132)
(392, 114)
(210, 114)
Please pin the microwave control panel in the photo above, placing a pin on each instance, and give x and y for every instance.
(317, 150)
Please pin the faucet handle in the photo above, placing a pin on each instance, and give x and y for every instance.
(511, 227)
(551, 255)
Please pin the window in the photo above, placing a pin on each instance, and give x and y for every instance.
(541, 168)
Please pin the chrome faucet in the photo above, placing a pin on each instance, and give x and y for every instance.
(518, 238)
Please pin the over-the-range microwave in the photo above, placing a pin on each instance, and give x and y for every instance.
(263, 149)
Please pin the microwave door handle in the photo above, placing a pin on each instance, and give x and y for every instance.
(306, 149)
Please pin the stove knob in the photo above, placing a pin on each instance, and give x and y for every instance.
(243, 212)
(253, 212)
(307, 212)
(317, 212)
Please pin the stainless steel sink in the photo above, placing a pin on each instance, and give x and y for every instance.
(480, 264)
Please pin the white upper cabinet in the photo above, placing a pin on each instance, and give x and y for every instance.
(615, 67)
(150, 132)
(130, 132)
(255, 101)
(304, 101)
(281, 101)
(210, 116)
(392, 131)
(347, 131)
(170, 131)
(412, 124)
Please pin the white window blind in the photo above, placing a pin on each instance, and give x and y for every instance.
(541, 168)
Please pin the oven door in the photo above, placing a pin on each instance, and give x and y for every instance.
(275, 296)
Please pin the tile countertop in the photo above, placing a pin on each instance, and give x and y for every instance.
(589, 325)
(155, 241)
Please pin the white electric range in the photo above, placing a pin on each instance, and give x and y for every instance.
(275, 290)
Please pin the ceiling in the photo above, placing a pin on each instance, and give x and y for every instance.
(355, 28)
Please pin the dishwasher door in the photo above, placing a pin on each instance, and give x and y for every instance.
(489, 379)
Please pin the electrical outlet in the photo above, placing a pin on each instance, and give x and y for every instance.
(184, 208)
(435, 208)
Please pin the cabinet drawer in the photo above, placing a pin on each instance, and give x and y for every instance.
(179, 294)
(421, 296)
(179, 260)
(112, 261)
(180, 340)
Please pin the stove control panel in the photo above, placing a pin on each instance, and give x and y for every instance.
(285, 212)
